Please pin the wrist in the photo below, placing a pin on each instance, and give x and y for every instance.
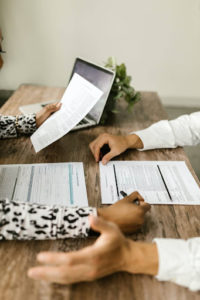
(141, 258)
(134, 142)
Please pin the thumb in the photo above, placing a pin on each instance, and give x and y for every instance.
(108, 157)
(100, 225)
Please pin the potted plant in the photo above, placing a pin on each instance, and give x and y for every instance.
(121, 89)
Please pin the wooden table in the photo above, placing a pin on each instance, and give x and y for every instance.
(163, 221)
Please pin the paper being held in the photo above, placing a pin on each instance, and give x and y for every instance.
(78, 99)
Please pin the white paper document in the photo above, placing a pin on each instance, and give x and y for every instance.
(159, 182)
(56, 183)
(78, 99)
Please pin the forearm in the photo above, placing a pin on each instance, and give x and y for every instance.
(11, 127)
(23, 221)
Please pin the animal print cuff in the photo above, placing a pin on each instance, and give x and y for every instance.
(11, 127)
(24, 221)
(26, 124)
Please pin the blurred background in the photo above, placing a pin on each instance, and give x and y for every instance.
(158, 40)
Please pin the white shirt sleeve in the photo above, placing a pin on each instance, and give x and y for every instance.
(183, 131)
(179, 261)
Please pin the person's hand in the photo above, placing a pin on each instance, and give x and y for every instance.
(117, 145)
(111, 252)
(45, 112)
(125, 213)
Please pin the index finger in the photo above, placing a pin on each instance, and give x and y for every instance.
(137, 196)
(133, 196)
(69, 258)
(96, 146)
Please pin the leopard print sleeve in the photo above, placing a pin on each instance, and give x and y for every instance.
(24, 221)
(11, 127)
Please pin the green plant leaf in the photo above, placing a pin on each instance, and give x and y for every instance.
(115, 111)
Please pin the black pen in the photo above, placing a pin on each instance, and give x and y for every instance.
(136, 201)
(116, 183)
(123, 194)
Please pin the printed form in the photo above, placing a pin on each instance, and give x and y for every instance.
(159, 182)
(78, 99)
(56, 183)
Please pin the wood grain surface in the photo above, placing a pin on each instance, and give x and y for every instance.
(163, 221)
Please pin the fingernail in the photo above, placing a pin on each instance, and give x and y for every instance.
(104, 162)
(41, 256)
(32, 273)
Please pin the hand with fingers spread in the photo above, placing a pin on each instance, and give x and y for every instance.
(112, 252)
(117, 145)
(125, 213)
(45, 112)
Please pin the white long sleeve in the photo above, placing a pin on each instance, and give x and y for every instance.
(183, 131)
(179, 262)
